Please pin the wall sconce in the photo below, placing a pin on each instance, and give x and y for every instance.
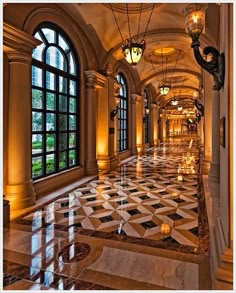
(145, 117)
(194, 23)
(115, 111)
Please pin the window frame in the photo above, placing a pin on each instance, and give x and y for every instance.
(75, 131)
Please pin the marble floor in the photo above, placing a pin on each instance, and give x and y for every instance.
(142, 226)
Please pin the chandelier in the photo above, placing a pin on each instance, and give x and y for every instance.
(132, 48)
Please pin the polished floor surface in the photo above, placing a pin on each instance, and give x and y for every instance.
(141, 226)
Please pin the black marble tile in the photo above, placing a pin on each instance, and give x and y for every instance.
(106, 219)
(69, 214)
(169, 239)
(74, 252)
(194, 231)
(133, 212)
(175, 217)
(148, 225)
(143, 197)
(157, 206)
(65, 204)
(178, 200)
(122, 202)
(97, 208)
(91, 199)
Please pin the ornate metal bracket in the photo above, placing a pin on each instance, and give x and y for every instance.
(216, 67)
(114, 113)
(200, 107)
(145, 117)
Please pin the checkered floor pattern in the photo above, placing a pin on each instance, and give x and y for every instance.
(135, 199)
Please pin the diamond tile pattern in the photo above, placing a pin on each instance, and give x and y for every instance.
(140, 195)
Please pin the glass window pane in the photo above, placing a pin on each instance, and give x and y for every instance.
(72, 106)
(50, 121)
(72, 88)
(37, 121)
(62, 103)
(49, 34)
(37, 166)
(72, 140)
(55, 58)
(37, 52)
(72, 64)
(62, 141)
(63, 85)
(72, 122)
(37, 99)
(72, 157)
(50, 81)
(62, 160)
(50, 101)
(37, 143)
(50, 163)
(50, 142)
(37, 76)
(62, 122)
(63, 44)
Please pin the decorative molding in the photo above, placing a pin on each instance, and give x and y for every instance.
(117, 86)
(19, 57)
(15, 39)
(94, 79)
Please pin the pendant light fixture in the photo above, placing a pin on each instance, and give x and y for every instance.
(132, 47)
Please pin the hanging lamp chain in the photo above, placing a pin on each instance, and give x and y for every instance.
(139, 20)
(174, 67)
(116, 22)
(149, 20)
(152, 66)
(128, 20)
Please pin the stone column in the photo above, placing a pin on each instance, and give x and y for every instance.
(163, 120)
(133, 123)
(154, 134)
(139, 124)
(19, 190)
(207, 83)
(94, 81)
(214, 172)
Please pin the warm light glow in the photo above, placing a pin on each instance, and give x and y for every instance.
(180, 178)
(133, 51)
(180, 108)
(117, 101)
(165, 228)
(195, 19)
(174, 102)
(164, 89)
(164, 51)
(147, 111)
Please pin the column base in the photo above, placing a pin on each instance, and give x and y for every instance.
(140, 148)
(107, 163)
(205, 166)
(91, 167)
(20, 195)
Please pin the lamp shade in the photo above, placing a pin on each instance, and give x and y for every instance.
(180, 108)
(164, 89)
(194, 20)
(133, 51)
(174, 102)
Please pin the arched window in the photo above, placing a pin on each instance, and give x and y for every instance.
(122, 114)
(146, 122)
(55, 103)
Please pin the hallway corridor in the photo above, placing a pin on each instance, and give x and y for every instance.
(141, 226)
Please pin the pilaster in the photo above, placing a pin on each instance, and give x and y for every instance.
(18, 45)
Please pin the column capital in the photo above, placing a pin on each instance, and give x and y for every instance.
(19, 57)
(94, 79)
(136, 98)
(18, 40)
(117, 87)
(153, 106)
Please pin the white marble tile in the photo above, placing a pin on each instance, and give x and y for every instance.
(165, 272)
